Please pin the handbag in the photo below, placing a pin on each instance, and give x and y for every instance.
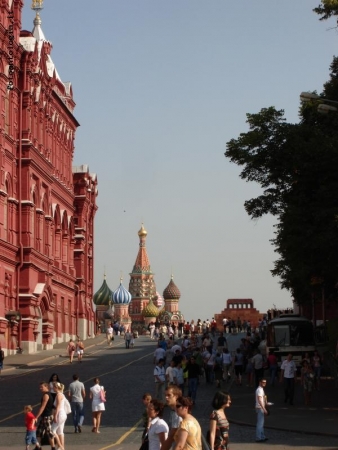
(145, 443)
(67, 408)
(102, 395)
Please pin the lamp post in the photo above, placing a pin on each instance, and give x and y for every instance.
(325, 105)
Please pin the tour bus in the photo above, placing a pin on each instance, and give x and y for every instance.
(290, 333)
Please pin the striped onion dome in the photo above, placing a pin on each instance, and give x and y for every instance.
(121, 296)
(104, 295)
(150, 310)
(171, 292)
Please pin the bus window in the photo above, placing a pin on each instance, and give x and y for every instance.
(282, 335)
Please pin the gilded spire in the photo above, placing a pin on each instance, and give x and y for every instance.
(142, 231)
(37, 5)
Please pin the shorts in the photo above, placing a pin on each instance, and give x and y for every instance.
(30, 437)
(45, 426)
(79, 352)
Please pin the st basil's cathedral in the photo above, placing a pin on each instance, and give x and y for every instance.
(142, 304)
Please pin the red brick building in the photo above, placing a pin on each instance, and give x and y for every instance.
(242, 308)
(47, 207)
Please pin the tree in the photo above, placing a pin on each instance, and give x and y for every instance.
(297, 167)
(327, 9)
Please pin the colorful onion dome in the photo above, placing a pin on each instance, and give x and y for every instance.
(150, 310)
(171, 292)
(104, 295)
(142, 231)
(121, 296)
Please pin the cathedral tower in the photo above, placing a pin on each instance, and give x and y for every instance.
(142, 285)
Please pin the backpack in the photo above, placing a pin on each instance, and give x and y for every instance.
(80, 345)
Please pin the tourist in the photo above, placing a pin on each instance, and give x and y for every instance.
(30, 423)
(71, 350)
(260, 400)
(98, 396)
(77, 394)
(287, 376)
(227, 363)
(193, 369)
(218, 369)
(159, 353)
(307, 380)
(60, 414)
(221, 342)
(188, 435)
(45, 415)
(146, 399)
(219, 425)
(53, 379)
(273, 367)
(171, 395)
(158, 428)
(79, 350)
(109, 334)
(238, 365)
(127, 338)
(159, 375)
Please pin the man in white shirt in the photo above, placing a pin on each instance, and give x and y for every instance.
(169, 373)
(260, 404)
(288, 374)
(159, 375)
(159, 353)
(109, 334)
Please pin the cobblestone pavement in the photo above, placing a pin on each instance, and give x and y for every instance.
(126, 374)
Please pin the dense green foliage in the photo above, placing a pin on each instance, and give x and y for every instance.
(297, 167)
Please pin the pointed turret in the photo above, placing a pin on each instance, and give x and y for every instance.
(142, 285)
(142, 264)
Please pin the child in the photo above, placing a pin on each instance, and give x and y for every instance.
(30, 427)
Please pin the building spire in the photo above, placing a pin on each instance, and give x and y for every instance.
(37, 5)
(142, 264)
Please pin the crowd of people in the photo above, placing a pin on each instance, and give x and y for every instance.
(47, 426)
(180, 366)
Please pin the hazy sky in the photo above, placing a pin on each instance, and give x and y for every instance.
(160, 87)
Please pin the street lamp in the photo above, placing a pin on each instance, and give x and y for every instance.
(323, 107)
